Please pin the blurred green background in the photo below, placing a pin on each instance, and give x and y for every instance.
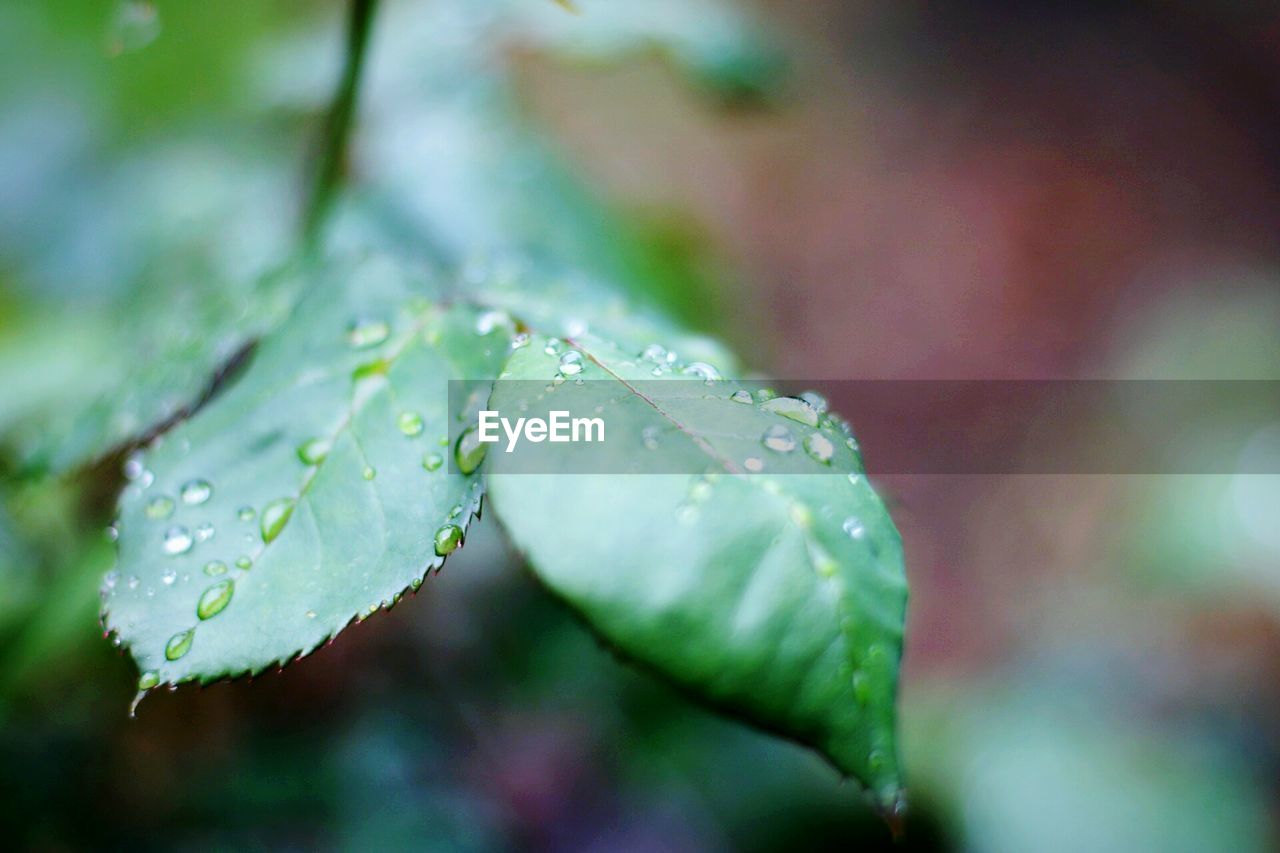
(956, 190)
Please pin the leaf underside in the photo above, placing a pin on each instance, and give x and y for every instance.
(780, 598)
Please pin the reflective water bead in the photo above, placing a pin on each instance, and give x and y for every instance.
(447, 539)
(314, 451)
(819, 447)
(213, 568)
(792, 408)
(177, 540)
(161, 506)
(741, 396)
(410, 423)
(778, 439)
(215, 599)
(432, 461)
(275, 516)
(195, 492)
(179, 644)
(469, 452)
(571, 363)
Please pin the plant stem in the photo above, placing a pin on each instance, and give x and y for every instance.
(331, 149)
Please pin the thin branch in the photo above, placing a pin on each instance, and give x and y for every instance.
(331, 149)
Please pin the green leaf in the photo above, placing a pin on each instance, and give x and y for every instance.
(309, 493)
(777, 597)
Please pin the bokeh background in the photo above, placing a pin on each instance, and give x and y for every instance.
(936, 190)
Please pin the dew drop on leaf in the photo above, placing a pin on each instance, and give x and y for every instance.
(571, 363)
(447, 539)
(410, 423)
(213, 568)
(195, 492)
(819, 447)
(215, 599)
(168, 577)
(148, 679)
(204, 532)
(177, 540)
(313, 451)
(753, 464)
(179, 644)
(159, 507)
(741, 396)
(854, 528)
(470, 451)
(432, 461)
(778, 439)
(246, 513)
(275, 516)
(369, 472)
(816, 400)
(703, 371)
(244, 562)
(792, 408)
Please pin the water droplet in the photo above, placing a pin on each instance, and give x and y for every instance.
(741, 396)
(571, 363)
(765, 394)
(520, 341)
(813, 398)
(552, 347)
(368, 333)
(854, 528)
(177, 540)
(110, 581)
(243, 562)
(195, 492)
(275, 516)
(793, 408)
(213, 568)
(311, 614)
(369, 472)
(778, 439)
(649, 436)
(754, 465)
(161, 506)
(470, 451)
(657, 354)
(204, 532)
(703, 371)
(410, 423)
(855, 479)
(246, 513)
(448, 538)
(179, 644)
(819, 447)
(215, 599)
(112, 533)
(314, 451)
(133, 467)
(148, 679)
(168, 577)
(432, 461)
(133, 582)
